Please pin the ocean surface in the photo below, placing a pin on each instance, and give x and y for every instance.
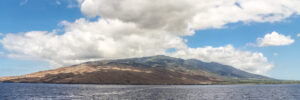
(19, 91)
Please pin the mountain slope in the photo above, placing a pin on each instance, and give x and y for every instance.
(146, 70)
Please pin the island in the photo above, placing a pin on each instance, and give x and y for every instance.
(153, 70)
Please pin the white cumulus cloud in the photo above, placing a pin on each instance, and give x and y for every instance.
(84, 41)
(298, 35)
(185, 16)
(136, 28)
(274, 39)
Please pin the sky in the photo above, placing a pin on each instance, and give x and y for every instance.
(257, 36)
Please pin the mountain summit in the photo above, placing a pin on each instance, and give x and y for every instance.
(146, 70)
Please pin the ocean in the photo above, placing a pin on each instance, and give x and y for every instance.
(26, 91)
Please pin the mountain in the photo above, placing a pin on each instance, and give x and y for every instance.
(146, 70)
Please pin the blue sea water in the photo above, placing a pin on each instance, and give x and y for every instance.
(19, 91)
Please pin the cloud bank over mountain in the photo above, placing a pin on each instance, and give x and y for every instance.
(131, 28)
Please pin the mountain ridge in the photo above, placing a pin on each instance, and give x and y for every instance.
(166, 61)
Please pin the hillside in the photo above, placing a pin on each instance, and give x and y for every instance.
(146, 70)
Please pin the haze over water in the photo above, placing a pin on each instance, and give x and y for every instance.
(18, 91)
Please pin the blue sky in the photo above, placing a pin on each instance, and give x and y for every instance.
(20, 16)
